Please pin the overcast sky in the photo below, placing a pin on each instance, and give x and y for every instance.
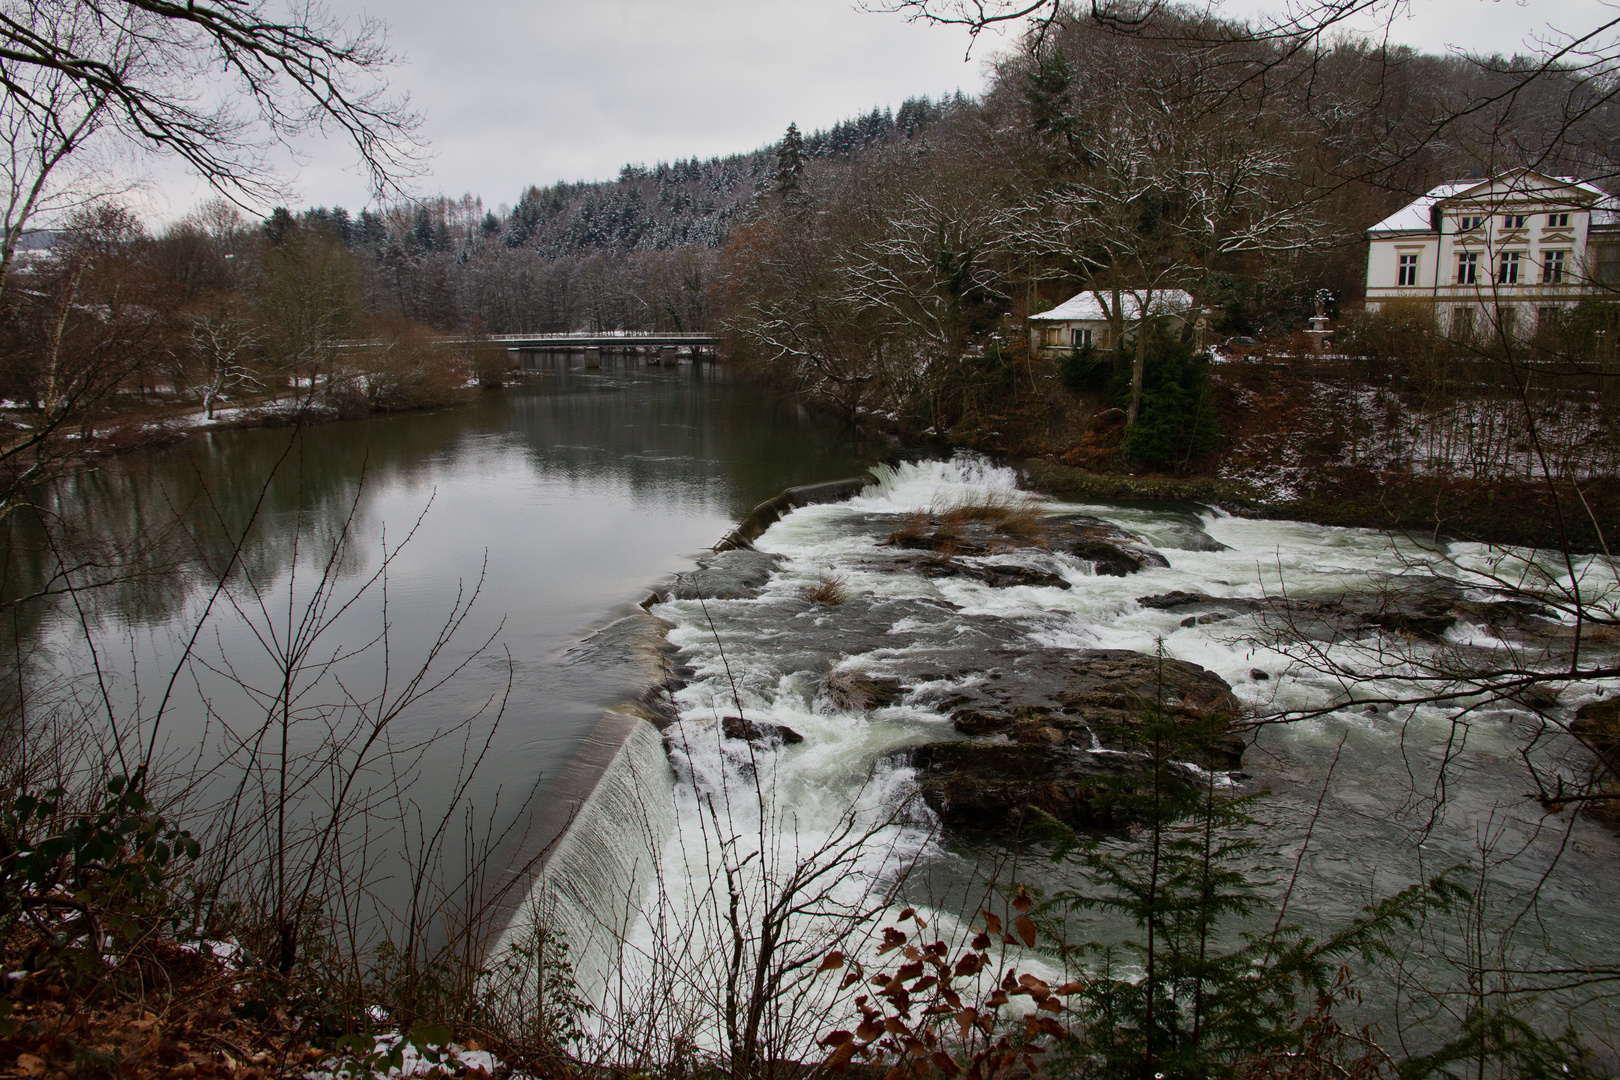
(516, 92)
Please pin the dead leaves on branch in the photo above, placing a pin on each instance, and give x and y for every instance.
(930, 1013)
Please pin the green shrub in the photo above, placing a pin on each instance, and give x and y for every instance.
(1086, 369)
(1177, 418)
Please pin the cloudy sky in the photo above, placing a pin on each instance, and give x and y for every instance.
(515, 92)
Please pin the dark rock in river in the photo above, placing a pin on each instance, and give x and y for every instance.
(996, 575)
(1110, 549)
(1174, 599)
(1597, 725)
(1095, 697)
(737, 574)
(1185, 532)
(856, 691)
(1415, 614)
(757, 731)
(1073, 722)
(979, 788)
(1419, 607)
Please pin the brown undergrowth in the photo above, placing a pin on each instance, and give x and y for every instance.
(173, 1012)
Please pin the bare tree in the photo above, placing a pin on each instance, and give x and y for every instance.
(223, 345)
(46, 118)
(214, 83)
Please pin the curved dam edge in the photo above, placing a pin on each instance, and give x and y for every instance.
(770, 511)
(589, 855)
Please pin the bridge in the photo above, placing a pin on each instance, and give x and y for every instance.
(607, 340)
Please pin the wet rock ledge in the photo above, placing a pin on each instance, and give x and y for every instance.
(1064, 732)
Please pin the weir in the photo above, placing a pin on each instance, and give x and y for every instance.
(594, 878)
(594, 852)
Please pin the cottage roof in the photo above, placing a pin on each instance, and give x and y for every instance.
(1086, 307)
(1417, 216)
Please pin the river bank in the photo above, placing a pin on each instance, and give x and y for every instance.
(1522, 513)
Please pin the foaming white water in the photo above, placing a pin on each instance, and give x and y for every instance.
(592, 885)
(834, 818)
(921, 485)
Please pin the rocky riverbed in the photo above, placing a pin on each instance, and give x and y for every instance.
(1029, 723)
(872, 693)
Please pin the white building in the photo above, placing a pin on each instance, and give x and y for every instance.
(1508, 251)
(1083, 319)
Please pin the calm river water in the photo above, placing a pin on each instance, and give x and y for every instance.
(569, 496)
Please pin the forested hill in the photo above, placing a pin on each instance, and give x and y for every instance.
(688, 203)
(683, 204)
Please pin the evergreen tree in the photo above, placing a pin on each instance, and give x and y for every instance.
(1180, 999)
(1176, 422)
(371, 231)
(423, 236)
(279, 224)
(790, 164)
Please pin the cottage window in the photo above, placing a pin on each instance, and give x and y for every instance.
(1512, 221)
(1507, 271)
(1557, 221)
(1552, 267)
(1082, 338)
(1408, 271)
(1468, 268)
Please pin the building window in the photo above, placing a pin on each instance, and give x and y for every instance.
(1462, 323)
(1407, 274)
(1507, 271)
(1608, 264)
(1469, 222)
(1552, 267)
(1509, 318)
(1512, 221)
(1468, 268)
(1557, 221)
(1546, 319)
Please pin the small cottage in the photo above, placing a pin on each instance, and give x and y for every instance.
(1083, 319)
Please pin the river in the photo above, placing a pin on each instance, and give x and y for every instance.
(1386, 797)
(570, 496)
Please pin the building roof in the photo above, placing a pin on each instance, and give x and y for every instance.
(1415, 216)
(1086, 307)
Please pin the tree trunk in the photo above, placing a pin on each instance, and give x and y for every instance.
(1137, 367)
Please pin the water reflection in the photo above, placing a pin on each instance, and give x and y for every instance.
(566, 496)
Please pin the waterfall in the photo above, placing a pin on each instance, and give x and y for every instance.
(591, 885)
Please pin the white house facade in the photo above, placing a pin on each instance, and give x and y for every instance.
(1508, 252)
(1083, 319)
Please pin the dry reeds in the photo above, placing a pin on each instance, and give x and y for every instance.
(1014, 515)
(829, 592)
(913, 531)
